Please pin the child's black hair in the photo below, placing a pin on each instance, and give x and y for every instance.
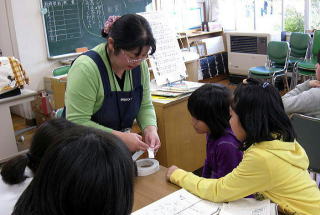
(87, 171)
(210, 104)
(13, 170)
(261, 113)
(131, 31)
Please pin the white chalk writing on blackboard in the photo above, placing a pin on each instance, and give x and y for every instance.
(93, 16)
(63, 20)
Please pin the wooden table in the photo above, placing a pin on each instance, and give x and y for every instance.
(8, 145)
(151, 188)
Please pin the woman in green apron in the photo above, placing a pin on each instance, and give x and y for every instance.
(108, 86)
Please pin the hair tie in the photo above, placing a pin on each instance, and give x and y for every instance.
(265, 84)
(108, 24)
(244, 81)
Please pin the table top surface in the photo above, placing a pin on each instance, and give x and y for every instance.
(151, 188)
(25, 93)
(148, 189)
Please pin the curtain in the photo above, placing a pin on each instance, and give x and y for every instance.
(212, 10)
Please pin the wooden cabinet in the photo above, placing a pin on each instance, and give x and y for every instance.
(180, 144)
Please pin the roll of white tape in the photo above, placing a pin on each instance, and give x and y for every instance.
(147, 166)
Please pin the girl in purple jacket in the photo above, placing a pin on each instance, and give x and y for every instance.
(209, 108)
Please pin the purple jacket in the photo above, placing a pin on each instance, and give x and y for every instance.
(223, 155)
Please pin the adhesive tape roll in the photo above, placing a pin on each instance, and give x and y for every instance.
(147, 166)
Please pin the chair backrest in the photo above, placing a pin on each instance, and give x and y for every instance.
(299, 43)
(62, 70)
(278, 52)
(308, 135)
(315, 46)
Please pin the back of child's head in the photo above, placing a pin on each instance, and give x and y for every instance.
(88, 171)
(261, 113)
(13, 170)
(210, 104)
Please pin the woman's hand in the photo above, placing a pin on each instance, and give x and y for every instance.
(132, 140)
(170, 171)
(151, 137)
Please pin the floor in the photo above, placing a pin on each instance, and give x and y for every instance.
(23, 140)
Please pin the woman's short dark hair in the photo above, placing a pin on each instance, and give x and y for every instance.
(210, 104)
(131, 31)
(261, 113)
(13, 170)
(87, 171)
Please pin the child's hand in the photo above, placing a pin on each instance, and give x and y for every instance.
(170, 171)
(314, 83)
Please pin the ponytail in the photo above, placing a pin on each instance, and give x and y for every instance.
(13, 170)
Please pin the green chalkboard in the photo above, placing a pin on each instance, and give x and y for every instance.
(71, 24)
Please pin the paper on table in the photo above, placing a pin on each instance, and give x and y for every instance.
(247, 207)
(180, 202)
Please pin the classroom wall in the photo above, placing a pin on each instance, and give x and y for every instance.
(5, 39)
(27, 33)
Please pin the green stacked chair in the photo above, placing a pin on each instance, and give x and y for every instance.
(307, 130)
(299, 43)
(307, 68)
(276, 65)
(62, 70)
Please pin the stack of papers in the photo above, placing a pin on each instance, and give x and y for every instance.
(249, 206)
(176, 89)
(180, 202)
(184, 203)
(167, 93)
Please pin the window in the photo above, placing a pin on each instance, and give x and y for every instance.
(315, 14)
(227, 14)
(294, 15)
(245, 14)
(185, 14)
(269, 15)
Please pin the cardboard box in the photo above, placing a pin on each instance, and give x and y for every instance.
(57, 87)
(41, 118)
(42, 103)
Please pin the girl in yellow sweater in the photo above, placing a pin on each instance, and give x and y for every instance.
(273, 164)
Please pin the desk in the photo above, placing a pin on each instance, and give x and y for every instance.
(8, 146)
(180, 144)
(148, 189)
(151, 188)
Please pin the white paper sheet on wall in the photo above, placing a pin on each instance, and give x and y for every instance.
(167, 63)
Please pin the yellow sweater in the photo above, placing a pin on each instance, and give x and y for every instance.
(276, 169)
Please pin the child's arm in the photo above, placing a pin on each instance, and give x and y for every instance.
(304, 102)
(251, 176)
(297, 90)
